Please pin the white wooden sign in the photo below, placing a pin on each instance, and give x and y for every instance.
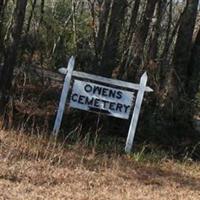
(103, 95)
(100, 98)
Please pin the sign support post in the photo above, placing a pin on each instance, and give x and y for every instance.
(63, 98)
(136, 112)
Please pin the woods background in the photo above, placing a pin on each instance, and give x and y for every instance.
(112, 38)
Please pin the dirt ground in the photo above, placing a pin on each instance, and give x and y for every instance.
(34, 169)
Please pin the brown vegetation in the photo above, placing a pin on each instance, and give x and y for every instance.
(32, 167)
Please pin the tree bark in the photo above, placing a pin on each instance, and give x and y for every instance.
(169, 38)
(143, 29)
(3, 4)
(31, 16)
(194, 69)
(110, 50)
(1, 27)
(41, 12)
(127, 48)
(103, 22)
(133, 20)
(140, 39)
(6, 74)
(177, 106)
(1, 13)
(183, 48)
(153, 46)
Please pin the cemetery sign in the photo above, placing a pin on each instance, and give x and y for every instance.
(102, 95)
(99, 98)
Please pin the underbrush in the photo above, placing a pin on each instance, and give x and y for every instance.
(18, 145)
(32, 112)
(38, 166)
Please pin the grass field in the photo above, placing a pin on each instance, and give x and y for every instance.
(32, 167)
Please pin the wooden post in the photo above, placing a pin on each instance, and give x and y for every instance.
(63, 97)
(136, 112)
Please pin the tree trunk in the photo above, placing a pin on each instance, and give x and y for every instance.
(110, 50)
(41, 13)
(31, 16)
(1, 27)
(103, 22)
(3, 4)
(140, 39)
(143, 29)
(153, 46)
(133, 20)
(127, 48)
(169, 38)
(184, 42)
(6, 74)
(194, 69)
(177, 105)
(1, 13)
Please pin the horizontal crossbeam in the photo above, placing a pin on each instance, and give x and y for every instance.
(109, 81)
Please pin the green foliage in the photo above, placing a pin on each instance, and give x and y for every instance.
(149, 153)
(62, 30)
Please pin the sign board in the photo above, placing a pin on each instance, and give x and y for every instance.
(99, 98)
(102, 95)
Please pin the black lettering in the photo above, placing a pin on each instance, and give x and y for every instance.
(89, 101)
(105, 92)
(96, 103)
(104, 103)
(119, 95)
(88, 88)
(81, 99)
(97, 90)
(74, 97)
(119, 107)
(126, 108)
(112, 93)
(112, 106)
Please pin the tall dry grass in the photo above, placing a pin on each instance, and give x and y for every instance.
(34, 166)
